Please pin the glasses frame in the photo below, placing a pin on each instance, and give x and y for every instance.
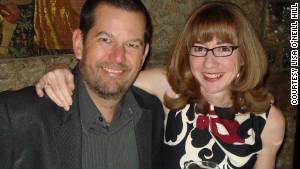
(212, 50)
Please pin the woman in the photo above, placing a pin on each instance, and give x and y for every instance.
(216, 107)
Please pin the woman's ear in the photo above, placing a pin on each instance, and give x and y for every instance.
(77, 40)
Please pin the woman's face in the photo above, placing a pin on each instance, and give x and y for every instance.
(215, 74)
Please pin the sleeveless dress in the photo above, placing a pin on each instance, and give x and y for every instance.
(229, 142)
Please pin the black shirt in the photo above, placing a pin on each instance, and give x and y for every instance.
(108, 147)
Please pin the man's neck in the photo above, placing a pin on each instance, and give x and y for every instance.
(107, 107)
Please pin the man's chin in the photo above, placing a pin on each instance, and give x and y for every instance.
(111, 93)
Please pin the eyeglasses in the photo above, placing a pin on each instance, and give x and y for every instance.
(220, 51)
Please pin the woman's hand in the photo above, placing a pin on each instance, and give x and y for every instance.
(58, 84)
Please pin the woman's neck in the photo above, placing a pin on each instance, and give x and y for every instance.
(222, 99)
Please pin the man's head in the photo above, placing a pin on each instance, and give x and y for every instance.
(111, 45)
(87, 18)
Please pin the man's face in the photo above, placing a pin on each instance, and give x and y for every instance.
(113, 52)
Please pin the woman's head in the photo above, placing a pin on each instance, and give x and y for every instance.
(212, 25)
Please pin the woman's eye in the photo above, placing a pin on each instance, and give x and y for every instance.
(225, 49)
(198, 48)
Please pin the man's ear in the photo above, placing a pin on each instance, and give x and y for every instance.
(77, 40)
(146, 51)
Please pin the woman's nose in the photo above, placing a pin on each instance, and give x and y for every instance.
(210, 60)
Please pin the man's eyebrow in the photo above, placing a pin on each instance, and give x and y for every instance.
(141, 42)
(104, 33)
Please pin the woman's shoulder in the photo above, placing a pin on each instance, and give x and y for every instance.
(274, 129)
(276, 118)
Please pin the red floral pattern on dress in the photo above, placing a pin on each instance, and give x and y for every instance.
(231, 127)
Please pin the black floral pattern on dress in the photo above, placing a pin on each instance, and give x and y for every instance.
(185, 141)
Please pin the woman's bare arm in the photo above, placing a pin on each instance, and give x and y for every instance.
(272, 137)
(58, 83)
(153, 81)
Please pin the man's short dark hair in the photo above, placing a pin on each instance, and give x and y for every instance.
(87, 19)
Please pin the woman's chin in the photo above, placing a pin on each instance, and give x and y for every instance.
(214, 91)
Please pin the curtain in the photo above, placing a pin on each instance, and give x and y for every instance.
(54, 23)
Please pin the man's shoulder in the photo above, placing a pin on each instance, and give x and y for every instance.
(24, 99)
(144, 98)
(22, 95)
(8, 95)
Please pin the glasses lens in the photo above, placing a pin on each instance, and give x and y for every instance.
(223, 51)
(198, 51)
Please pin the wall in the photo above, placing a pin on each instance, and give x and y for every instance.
(271, 20)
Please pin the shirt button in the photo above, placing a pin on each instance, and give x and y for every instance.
(100, 119)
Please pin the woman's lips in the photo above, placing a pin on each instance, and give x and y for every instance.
(211, 77)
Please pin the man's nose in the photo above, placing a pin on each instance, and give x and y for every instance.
(117, 54)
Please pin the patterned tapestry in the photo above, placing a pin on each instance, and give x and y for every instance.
(37, 27)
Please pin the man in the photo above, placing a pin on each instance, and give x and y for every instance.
(111, 124)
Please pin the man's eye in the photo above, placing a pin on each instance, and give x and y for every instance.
(106, 40)
(134, 45)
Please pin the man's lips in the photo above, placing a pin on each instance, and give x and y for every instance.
(112, 70)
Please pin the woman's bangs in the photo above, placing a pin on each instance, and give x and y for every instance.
(222, 28)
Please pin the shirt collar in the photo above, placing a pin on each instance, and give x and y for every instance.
(89, 114)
